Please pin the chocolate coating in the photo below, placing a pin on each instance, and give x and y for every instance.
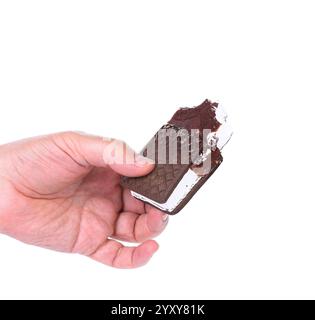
(200, 117)
(160, 183)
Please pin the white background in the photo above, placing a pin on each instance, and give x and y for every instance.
(121, 69)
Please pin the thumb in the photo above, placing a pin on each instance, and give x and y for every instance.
(102, 152)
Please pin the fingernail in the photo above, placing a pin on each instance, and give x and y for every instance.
(142, 161)
(165, 217)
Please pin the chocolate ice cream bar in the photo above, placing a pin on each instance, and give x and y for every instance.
(186, 151)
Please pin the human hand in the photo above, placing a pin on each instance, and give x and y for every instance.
(62, 192)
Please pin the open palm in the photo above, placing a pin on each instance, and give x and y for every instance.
(58, 192)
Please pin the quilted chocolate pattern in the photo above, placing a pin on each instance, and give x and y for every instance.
(159, 184)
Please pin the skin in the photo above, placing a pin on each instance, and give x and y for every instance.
(62, 192)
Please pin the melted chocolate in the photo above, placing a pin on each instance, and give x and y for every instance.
(200, 117)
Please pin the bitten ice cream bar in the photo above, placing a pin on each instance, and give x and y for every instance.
(186, 151)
